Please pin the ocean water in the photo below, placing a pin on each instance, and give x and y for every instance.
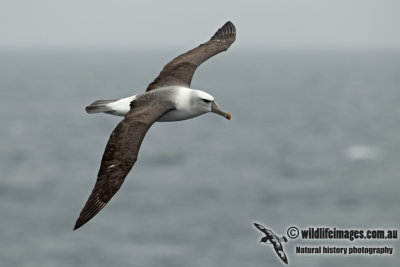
(314, 140)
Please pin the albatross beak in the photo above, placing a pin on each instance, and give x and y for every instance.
(218, 110)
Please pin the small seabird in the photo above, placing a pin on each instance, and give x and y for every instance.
(274, 240)
(168, 98)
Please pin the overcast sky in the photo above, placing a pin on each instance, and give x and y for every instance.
(145, 24)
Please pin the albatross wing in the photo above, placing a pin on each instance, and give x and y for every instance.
(261, 228)
(122, 150)
(281, 254)
(181, 69)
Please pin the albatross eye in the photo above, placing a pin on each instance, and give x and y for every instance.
(206, 100)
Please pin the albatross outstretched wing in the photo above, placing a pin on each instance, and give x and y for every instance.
(181, 69)
(121, 152)
(280, 252)
(261, 228)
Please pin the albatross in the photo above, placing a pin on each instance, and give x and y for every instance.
(168, 98)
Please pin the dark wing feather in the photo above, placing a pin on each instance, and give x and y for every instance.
(281, 254)
(181, 69)
(261, 228)
(121, 153)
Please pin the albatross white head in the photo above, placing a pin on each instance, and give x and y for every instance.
(203, 102)
(191, 103)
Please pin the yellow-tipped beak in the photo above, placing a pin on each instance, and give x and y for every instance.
(218, 110)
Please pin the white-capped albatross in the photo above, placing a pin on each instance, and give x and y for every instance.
(168, 98)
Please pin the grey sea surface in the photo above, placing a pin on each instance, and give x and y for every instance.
(314, 140)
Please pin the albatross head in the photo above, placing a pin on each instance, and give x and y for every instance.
(203, 102)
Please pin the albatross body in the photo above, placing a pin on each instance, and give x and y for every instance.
(168, 98)
(188, 103)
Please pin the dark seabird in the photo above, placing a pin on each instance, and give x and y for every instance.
(168, 98)
(274, 240)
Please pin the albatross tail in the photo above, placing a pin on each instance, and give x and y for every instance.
(117, 107)
(99, 106)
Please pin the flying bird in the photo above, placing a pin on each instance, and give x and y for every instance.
(274, 240)
(168, 98)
